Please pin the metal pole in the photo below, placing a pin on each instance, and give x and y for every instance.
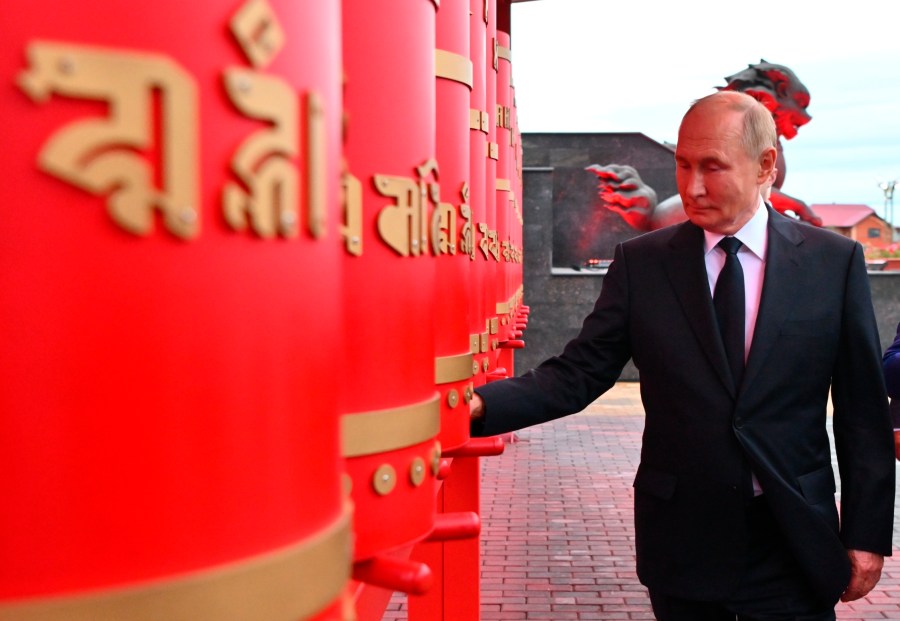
(888, 188)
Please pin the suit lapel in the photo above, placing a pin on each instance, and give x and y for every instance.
(783, 272)
(687, 273)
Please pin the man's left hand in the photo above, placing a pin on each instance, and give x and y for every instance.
(865, 571)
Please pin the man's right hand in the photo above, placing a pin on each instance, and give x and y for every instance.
(897, 443)
(476, 407)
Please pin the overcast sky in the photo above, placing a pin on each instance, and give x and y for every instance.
(602, 66)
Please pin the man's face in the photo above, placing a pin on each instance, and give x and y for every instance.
(718, 182)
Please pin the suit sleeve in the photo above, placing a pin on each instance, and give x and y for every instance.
(862, 429)
(588, 366)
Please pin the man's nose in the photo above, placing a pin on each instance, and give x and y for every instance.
(695, 185)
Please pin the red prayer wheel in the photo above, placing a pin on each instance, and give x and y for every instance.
(495, 211)
(454, 357)
(391, 407)
(170, 443)
(505, 196)
(479, 313)
(489, 236)
(517, 238)
(509, 219)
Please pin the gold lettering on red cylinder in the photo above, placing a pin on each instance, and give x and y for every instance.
(399, 224)
(467, 234)
(515, 253)
(443, 222)
(427, 191)
(404, 225)
(268, 194)
(351, 199)
(256, 28)
(443, 238)
(262, 161)
(484, 244)
(489, 245)
(316, 153)
(102, 156)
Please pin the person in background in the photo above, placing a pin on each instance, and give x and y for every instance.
(891, 364)
(740, 321)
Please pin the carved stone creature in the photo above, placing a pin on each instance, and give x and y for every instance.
(622, 190)
(779, 89)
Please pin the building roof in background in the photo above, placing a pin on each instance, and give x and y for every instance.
(842, 215)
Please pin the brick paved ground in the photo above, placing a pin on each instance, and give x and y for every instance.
(557, 537)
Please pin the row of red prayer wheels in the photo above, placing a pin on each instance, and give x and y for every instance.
(256, 255)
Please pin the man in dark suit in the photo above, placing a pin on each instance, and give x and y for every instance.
(735, 515)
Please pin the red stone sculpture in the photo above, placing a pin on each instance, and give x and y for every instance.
(779, 89)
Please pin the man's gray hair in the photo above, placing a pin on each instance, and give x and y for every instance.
(759, 127)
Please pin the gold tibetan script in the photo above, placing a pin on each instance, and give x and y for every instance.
(489, 244)
(408, 225)
(102, 156)
(404, 225)
(467, 235)
(351, 201)
(256, 28)
(443, 224)
(263, 162)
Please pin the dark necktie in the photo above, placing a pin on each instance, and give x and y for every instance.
(728, 300)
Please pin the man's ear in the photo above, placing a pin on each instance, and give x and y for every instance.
(767, 161)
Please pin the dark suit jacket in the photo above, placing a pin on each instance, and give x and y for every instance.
(815, 332)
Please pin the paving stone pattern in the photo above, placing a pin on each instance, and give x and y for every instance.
(557, 534)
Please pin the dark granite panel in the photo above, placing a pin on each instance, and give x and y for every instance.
(886, 299)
